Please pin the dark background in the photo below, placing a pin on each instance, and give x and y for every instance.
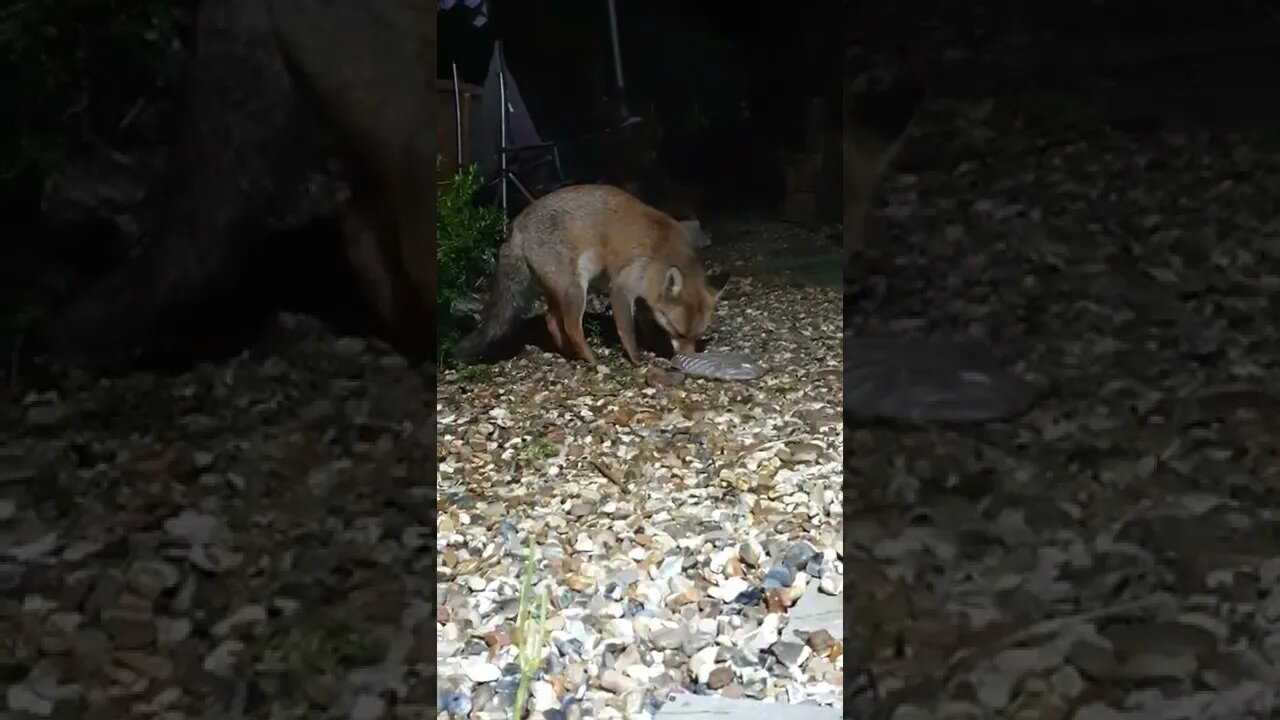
(1145, 64)
(97, 82)
(726, 81)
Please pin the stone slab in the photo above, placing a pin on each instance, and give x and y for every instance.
(715, 707)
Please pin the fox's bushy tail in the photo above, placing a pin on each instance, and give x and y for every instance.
(508, 299)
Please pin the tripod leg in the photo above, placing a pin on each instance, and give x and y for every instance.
(515, 180)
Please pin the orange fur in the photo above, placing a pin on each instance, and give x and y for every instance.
(569, 237)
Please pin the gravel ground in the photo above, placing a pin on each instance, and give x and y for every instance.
(248, 540)
(1115, 553)
(688, 532)
(253, 539)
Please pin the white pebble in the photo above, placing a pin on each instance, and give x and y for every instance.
(830, 584)
(668, 569)
(479, 671)
(703, 662)
(649, 595)
(729, 588)
(718, 559)
(621, 629)
(765, 635)
(544, 696)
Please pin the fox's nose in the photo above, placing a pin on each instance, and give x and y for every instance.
(683, 347)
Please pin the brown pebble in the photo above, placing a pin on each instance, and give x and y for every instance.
(128, 628)
(150, 578)
(820, 641)
(90, 649)
(154, 666)
(657, 377)
(52, 644)
(734, 690)
(579, 583)
(497, 638)
(719, 677)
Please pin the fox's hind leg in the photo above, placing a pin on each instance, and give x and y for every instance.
(566, 296)
(554, 328)
(360, 235)
(571, 305)
(565, 307)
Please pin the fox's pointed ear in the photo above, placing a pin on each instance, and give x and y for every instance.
(673, 281)
(718, 282)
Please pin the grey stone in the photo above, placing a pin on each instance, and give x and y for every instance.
(713, 707)
(788, 652)
(815, 611)
(798, 556)
(368, 707)
(669, 638)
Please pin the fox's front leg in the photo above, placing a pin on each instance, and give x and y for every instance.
(624, 317)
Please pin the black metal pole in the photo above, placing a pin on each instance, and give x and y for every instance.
(502, 114)
(457, 112)
(623, 113)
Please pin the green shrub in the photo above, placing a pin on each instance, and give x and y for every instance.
(81, 77)
(86, 74)
(467, 237)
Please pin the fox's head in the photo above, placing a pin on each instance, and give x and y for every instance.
(682, 304)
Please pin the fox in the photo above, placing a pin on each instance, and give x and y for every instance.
(570, 236)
